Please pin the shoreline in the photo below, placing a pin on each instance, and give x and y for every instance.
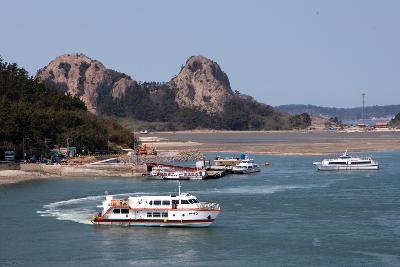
(274, 143)
(40, 171)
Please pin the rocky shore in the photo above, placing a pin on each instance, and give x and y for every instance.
(165, 156)
(124, 166)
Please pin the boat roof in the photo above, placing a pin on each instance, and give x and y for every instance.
(151, 197)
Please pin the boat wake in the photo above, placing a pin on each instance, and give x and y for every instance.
(80, 210)
(262, 189)
(76, 210)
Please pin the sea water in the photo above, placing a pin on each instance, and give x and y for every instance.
(287, 215)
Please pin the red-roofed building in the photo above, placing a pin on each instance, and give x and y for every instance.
(382, 125)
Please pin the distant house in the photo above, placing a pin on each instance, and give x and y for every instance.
(382, 125)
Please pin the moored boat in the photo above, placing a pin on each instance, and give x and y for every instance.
(185, 175)
(160, 171)
(178, 210)
(347, 162)
(246, 165)
(219, 161)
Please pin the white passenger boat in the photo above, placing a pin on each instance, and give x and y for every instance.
(182, 209)
(347, 162)
(185, 175)
(160, 171)
(246, 165)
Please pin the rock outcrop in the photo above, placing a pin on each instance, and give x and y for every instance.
(78, 75)
(202, 84)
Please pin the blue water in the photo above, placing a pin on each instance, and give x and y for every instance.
(288, 215)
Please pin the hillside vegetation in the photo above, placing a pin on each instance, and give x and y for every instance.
(198, 97)
(154, 106)
(35, 117)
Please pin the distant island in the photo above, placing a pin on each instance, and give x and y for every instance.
(388, 111)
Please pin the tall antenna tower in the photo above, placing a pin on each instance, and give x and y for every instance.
(363, 107)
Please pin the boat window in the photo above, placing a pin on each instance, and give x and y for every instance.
(156, 214)
(164, 214)
(184, 201)
(151, 202)
(195, 200)
(116, 211)
(157, 202)
(124, 211)
(149, 214)
(360, 162)
(338, 163)
(166, 202)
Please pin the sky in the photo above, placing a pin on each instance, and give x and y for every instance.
(321, 52)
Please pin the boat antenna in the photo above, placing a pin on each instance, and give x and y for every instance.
(179, 188)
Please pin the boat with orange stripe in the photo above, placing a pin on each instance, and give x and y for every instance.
(176, 210)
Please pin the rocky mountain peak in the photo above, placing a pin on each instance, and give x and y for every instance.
(81, 76)
(202, 84)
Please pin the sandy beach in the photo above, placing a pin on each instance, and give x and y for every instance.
(18, 176)
(280, 142)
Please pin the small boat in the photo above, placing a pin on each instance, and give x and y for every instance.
(219, 161)
(160, 171)
(185, 175)
(347, 162)
(246, 165)
(144, 132)
(174, 210)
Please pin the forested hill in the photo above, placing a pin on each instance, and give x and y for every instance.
(342, 113)
(35, 117)
(199, 96)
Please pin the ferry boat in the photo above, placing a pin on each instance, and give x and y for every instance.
(219, 161)
(185, 175)
(160, 171)
(178, 210)
(246, 165)
(347, 162)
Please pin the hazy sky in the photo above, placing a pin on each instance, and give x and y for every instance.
(281, 52)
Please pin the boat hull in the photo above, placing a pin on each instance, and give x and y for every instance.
(245, 171)
(183, 178)
(174, 218)
(156, 223)
(347, 167)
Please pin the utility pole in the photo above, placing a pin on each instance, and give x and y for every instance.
(68, 141)
(23, 148)
(363, 107)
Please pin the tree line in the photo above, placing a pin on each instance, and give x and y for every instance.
(35, 118)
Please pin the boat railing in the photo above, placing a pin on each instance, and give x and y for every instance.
(209, 206)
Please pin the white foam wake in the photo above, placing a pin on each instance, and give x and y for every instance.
(76, 210)
(261, 189)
